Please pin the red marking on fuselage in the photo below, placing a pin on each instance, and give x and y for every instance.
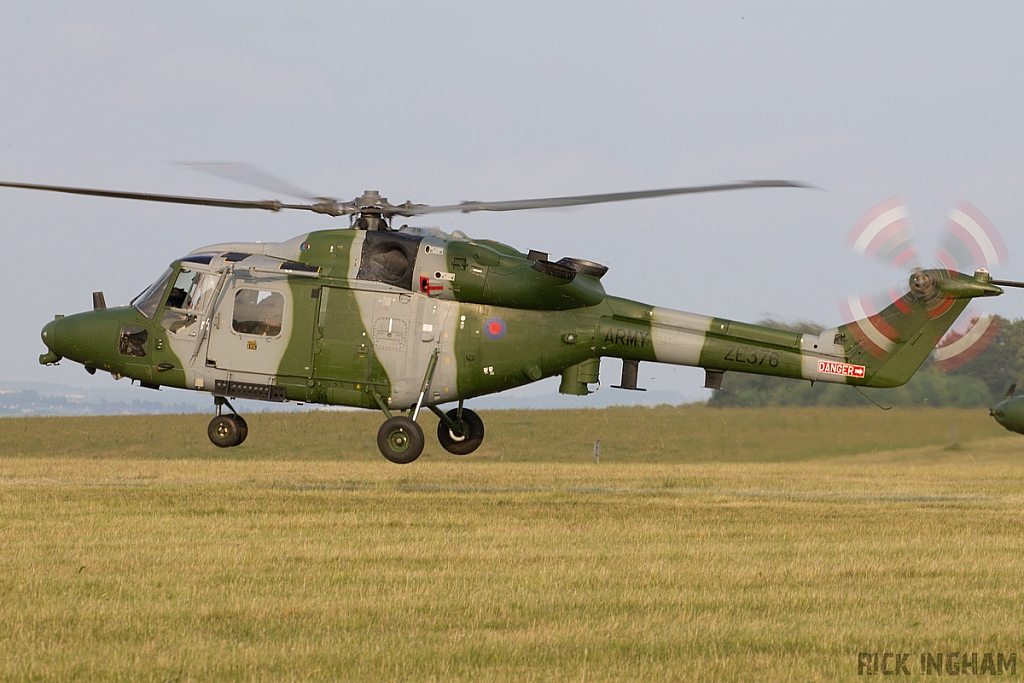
(428, 288)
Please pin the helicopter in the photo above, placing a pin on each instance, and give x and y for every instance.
(1010, 411)
(405, 319)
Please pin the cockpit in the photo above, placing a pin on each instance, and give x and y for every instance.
(189, 289)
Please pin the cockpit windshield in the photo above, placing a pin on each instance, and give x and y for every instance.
(149, 300)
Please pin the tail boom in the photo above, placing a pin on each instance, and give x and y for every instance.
(881, 350)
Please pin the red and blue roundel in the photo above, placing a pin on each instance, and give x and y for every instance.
(494, 328)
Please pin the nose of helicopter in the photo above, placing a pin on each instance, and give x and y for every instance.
(88, 338)
(1000, 417)
(1010, 414)
(51, 339)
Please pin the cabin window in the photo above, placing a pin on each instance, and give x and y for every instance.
(258, 312)
(149, 300)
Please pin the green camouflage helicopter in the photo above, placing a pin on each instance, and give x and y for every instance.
(405, 319)
(1010, 411)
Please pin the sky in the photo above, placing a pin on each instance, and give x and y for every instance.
(450, 101)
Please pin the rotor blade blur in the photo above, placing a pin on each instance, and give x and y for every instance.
(329, 208)
(959, 347)
(246, 174)
(581, 200)
(883, 233)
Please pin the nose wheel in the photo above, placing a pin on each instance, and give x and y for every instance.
(226, 429)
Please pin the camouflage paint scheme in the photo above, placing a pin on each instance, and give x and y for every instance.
(365, 311)
(1010, 411)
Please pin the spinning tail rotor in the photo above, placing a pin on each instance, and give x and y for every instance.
(884, 234)
(971, 241)
(971, 244)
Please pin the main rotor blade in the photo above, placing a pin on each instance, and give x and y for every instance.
(556, 202)
(1008, 283)
(249, 175)
(328, 207)
(332, 207)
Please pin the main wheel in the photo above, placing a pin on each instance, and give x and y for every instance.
(243, 428)
(400, 440)
(472, 432)
(224, 431)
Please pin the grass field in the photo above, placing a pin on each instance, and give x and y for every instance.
(706, 544)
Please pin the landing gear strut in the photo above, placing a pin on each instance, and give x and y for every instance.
(226, 430)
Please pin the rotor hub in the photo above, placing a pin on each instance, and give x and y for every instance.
(371, 199)
(923, 285)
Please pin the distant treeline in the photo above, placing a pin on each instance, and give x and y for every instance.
(979, 382)
(31, 402)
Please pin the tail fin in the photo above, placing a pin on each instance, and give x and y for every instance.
(892, 344)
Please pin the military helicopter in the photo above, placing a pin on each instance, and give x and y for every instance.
(1010, 411)
(401, 320)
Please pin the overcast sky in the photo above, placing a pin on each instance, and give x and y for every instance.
(447, 101)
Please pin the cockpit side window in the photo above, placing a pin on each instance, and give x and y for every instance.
(132, 341)
(191, 290)
(191, 294)
(149, 300)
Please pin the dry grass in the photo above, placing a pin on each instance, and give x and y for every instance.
(641, 435)
(295, 565)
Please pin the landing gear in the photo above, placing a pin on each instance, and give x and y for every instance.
(243, 428)
(400, 439)
(463, 431)
(226, 431)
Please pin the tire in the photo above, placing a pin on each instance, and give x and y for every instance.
(224, 431)
(243, 428)
(472, 433)
(400, 440)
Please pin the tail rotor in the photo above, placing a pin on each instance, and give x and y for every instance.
(971, 244)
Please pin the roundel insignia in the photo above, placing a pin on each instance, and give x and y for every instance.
(304, 246)
(494, 328)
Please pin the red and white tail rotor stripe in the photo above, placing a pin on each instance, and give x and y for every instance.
(971, 241)
(884, 233)
(960, 346)
(875, 335)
